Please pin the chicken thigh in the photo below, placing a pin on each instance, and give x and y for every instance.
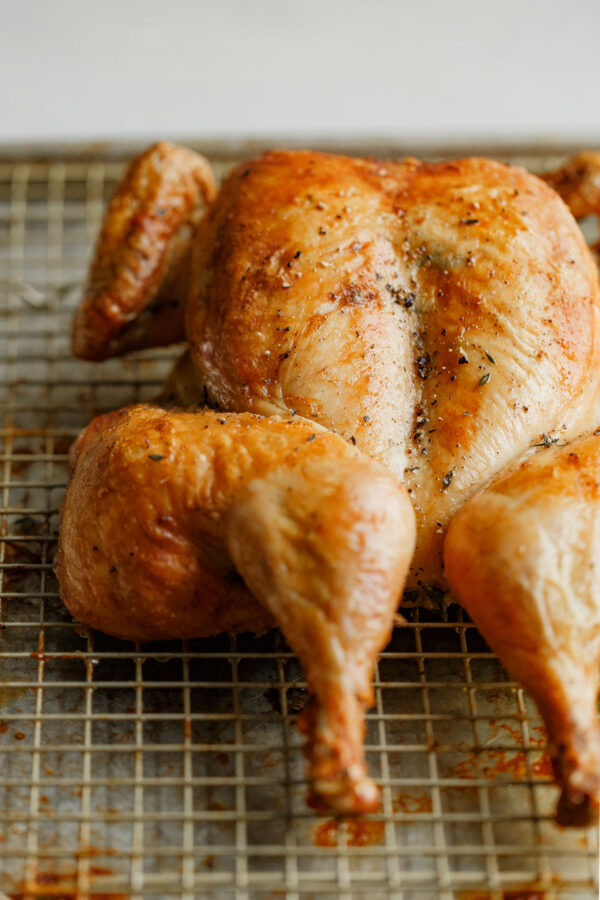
(444, 319)
(167, 512)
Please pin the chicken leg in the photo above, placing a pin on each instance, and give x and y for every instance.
(522, 557)
(164, 512)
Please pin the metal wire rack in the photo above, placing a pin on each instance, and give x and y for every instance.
(174, 770)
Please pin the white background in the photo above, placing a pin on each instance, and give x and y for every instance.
(512, 70)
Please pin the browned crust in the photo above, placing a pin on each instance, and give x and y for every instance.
(141, 255)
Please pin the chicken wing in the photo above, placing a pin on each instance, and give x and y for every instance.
(578, 183)
(138, 279)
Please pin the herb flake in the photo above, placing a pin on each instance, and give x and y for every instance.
(447, 479)
(423, 365)
(547, 441)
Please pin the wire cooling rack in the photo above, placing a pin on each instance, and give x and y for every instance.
(175, 770)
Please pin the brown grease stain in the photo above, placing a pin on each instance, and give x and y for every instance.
(511, 894)
(52, 884)
(511, 730)
(407, 801)
(358, 833)
(542, 738)
(543, 767)
(494, 763)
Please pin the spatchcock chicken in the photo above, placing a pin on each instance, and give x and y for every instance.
(392, 382)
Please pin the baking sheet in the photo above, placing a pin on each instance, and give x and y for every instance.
(175, 771)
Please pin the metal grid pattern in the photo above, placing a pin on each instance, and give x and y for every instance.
(175, 770)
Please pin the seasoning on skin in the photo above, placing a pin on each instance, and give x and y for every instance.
(406, 300)
(469, 221)
(447, 479)
(155, 457)
(484, 379)
(547, 441)
(423, 364)
(490, 357)
(463, 361)
(311, 437)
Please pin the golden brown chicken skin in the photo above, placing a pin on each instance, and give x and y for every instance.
(522, 557)
(443, 318)
(167, 512)
(136, 287)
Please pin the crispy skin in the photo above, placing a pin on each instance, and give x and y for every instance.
(166, 510)
(141, 257)
(522, 557)
(442, 317)
(368, 297)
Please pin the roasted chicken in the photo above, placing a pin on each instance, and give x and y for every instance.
(416, 343)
